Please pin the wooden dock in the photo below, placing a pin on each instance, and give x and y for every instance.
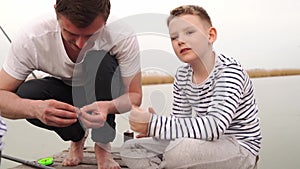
(88, 162)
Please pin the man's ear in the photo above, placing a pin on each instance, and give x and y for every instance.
(212, 35)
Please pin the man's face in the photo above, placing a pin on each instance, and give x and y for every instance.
(77, 37)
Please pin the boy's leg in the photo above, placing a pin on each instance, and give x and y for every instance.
(225, 153)
(145, 153)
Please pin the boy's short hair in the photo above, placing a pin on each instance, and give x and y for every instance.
(189, 10)
(83, 12)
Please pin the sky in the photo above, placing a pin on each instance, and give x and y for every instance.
(258, 33)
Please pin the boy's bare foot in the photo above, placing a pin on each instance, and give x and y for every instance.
(75, 154)
(104, 157)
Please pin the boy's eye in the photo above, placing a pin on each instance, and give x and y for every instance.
(174, 38)
(189, 32)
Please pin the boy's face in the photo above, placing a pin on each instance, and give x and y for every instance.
(190, 37)
(77, 37)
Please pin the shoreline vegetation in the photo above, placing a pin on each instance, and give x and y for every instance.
(162, 78)
(152, 77)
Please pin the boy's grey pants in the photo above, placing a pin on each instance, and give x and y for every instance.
(183, 153)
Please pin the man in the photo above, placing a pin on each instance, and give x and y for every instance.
(95, 73)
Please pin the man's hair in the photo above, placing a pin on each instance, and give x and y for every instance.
(189, 10)
(83, 12)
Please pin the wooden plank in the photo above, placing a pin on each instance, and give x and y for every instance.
(88, 162)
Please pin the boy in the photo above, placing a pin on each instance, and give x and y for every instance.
(225, 131)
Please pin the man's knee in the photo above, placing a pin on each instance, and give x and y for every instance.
(26, 90)
(46, 88)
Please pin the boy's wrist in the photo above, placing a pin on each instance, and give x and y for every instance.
(152, 116)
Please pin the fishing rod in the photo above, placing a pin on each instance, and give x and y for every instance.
(7, 37)
(28, 163)
(5, 34)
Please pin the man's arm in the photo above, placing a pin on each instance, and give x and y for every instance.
(131, 96)
(50, 112)
(10, 102)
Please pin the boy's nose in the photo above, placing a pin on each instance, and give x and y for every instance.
(180, 42)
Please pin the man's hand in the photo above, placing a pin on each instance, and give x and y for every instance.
(139, 120)
(56, 113)
(94, 115)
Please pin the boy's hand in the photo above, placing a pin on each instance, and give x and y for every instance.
(139, 120)
(141, 135)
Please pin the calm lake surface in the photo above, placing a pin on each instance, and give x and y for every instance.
(278, 99)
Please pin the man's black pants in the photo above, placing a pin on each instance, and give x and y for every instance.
(102, 82)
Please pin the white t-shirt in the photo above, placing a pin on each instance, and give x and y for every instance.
(40, 47)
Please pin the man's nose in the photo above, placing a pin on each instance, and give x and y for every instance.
(80, 42)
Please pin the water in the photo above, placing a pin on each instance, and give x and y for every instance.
(278, 99)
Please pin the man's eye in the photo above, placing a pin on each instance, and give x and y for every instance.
(72, 34)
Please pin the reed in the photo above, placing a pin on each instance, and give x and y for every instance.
(258, 73)
(253, 73)
(156, 77)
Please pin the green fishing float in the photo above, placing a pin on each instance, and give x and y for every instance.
(46, 161)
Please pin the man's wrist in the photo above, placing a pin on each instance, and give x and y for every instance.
(111, 107)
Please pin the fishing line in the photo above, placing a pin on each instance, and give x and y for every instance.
(7, 37)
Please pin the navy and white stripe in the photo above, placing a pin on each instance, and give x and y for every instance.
(2, 132)
(224, 104)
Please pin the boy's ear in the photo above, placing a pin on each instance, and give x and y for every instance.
(212, 35)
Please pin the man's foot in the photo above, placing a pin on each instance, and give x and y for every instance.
(75, 154)
(104, 157)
